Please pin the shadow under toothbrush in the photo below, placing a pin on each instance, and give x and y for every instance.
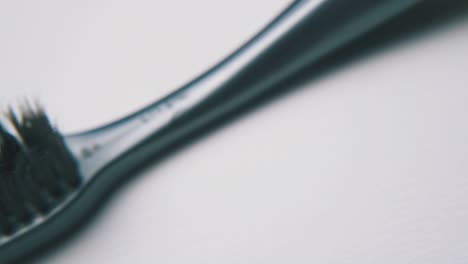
(428, 17)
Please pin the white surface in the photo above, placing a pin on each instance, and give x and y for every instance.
(363, 165)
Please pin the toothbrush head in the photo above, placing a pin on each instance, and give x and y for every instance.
(37, 171)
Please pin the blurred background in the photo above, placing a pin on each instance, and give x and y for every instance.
(359, 159)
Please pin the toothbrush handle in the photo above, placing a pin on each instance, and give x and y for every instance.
(303, 33)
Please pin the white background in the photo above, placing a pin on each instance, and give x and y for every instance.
(365, 163)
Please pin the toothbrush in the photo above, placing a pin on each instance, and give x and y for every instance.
(49, 181)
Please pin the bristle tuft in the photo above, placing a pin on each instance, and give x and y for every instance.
(37, 170)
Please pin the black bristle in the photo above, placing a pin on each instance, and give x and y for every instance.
(9, 146)
(37, 170)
